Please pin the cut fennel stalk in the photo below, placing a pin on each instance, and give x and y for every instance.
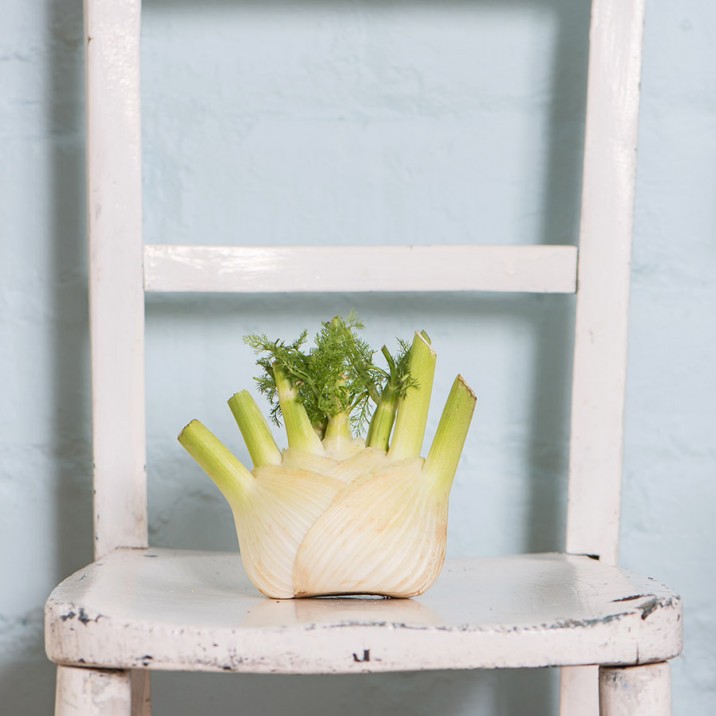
(333, 513)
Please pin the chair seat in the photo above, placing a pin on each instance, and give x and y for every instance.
(197, 611)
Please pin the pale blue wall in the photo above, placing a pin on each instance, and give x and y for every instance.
(339, 122)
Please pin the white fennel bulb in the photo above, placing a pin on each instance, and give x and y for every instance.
(335, 514)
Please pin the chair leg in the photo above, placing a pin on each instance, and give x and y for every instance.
(579, 691)
(141, 693)
(635, 690)
(93, 692)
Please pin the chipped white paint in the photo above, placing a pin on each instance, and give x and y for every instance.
(535, 610)
(114, 186)
(635, 690)
(602, 300)
(89, 692)
(266, 269)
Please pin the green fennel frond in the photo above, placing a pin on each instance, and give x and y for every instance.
(400, 371)
(289, 356)
(336, 375)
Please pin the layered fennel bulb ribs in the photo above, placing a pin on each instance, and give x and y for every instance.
(334, 513)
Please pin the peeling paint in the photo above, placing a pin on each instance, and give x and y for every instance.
(648, 607)
(361, 659)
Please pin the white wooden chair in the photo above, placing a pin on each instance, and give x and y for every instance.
(136, 608)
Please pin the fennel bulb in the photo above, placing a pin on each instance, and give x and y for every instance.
(334, 513)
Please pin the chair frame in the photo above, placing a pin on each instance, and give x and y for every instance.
(123, 269)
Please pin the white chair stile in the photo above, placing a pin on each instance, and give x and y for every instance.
(107, 626)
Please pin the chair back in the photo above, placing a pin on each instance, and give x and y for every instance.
(123, 269)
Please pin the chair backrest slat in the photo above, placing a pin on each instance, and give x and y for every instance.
(603, 278)
(114, 205)
(269, 269)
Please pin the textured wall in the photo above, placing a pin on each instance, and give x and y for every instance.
(339, 122)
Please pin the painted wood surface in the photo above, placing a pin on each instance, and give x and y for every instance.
(89, 692)
(266, 269)
(115, 264)
(579, 691)
(599, 379)
(177, 610)
(635, 690)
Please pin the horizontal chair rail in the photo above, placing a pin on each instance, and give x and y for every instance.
(317, 269)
